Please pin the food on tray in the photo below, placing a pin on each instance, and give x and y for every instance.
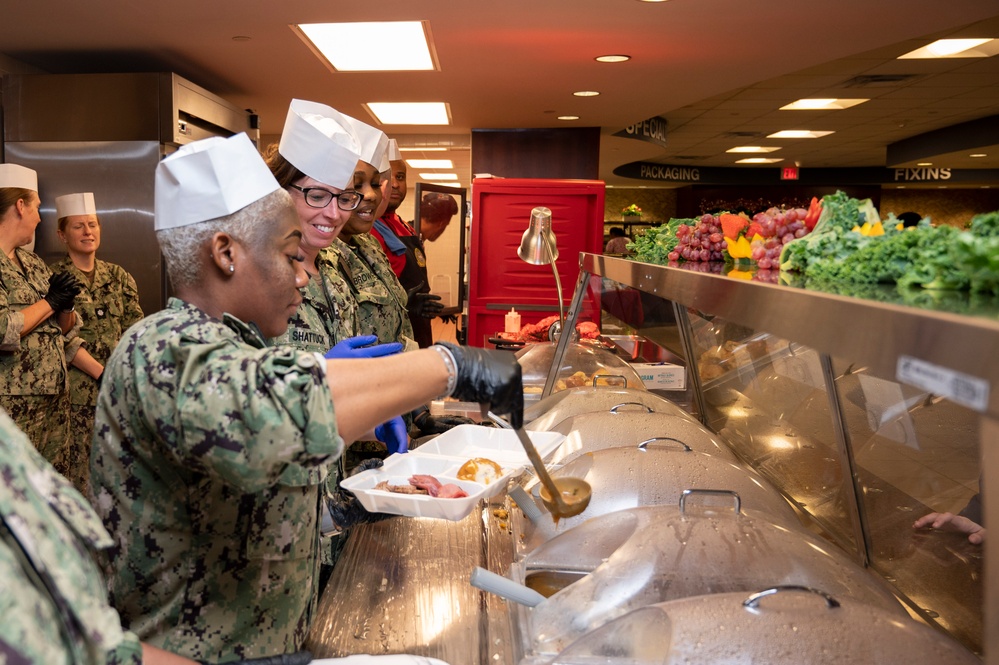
(480, 470)
(538, 332)
(424, 484)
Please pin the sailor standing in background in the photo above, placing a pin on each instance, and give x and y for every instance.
(405, 253)
(108, 304)
(37, 333)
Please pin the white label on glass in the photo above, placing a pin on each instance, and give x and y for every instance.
(967, 390)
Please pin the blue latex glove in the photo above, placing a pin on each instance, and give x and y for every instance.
(393, 434)
(362, 346)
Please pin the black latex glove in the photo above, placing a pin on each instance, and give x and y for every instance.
(426, 305)
(63, 288)
(489, 377)
(344, 507)
(429, 424)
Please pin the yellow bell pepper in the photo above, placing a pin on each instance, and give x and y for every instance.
(739, 249)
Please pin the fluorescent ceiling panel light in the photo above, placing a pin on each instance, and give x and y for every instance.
(955, 48)
(347, 47)
(438, 149)
(410, 113)
(568, 117)
(439, 176)
(758, 160)
(613, 58)
(430, 163)
(752, 148)
(978, 154)
(924, 163)
(586, 93)
(822, 104)
(798, 134)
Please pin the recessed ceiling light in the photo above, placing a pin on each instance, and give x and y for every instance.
(752, 148)
(418, 149)
(586, 93)
(439, 176)
(430, 163)
(568, 117)
(978, 154)
(798, 134)
(758, 160)
(410, 113)
(346, 47)
(955, 48)
(822, 104)
(613, 58)
(924, 163)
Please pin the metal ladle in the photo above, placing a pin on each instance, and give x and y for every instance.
(564, 497)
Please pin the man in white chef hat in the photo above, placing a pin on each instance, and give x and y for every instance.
(210, 447)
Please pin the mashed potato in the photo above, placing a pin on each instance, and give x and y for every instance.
(480, 470)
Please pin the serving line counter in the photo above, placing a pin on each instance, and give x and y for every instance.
(865, 415)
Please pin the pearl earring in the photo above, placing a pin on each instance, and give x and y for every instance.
(232, 268)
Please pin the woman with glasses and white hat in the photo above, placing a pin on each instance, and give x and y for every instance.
(108, 305)
(36, 324)
(200, 422)
(315, 162)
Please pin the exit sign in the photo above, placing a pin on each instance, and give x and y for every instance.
(789, 173)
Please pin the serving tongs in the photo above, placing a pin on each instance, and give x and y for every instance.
(563, 497)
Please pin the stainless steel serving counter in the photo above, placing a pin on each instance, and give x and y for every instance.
(402, 584)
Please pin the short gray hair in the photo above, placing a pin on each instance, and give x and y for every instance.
(183, 247)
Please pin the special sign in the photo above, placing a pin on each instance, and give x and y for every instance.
(652, 130)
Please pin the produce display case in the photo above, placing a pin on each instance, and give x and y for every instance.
(864, 413)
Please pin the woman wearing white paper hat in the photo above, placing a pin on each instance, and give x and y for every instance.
(36, 324)
(364, 268)
(314, 162)
(108, 304)
(211, 447)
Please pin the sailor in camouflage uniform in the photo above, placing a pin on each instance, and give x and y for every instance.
(108, 304)
(314, 161)
(211, 448)
(53, 603)
(37, 332)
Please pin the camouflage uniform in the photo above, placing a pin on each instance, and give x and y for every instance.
(108, 306)
(314, 327)
(344, 325)
(381, 300)
(33, 379)
(53, 600)
(210, 452)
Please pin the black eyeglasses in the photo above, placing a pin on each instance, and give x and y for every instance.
(317, 197)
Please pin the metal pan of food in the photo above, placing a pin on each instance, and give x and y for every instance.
(637, 557)
(777, 626)
(552, 410)
(654, 475)
(618, 428)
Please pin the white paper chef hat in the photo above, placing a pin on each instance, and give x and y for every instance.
(393, 151)
(373, 142)
(75, 204)
(210, 178)
(319, 143)
(15, 175)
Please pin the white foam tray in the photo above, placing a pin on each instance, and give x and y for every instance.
(442, 457)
